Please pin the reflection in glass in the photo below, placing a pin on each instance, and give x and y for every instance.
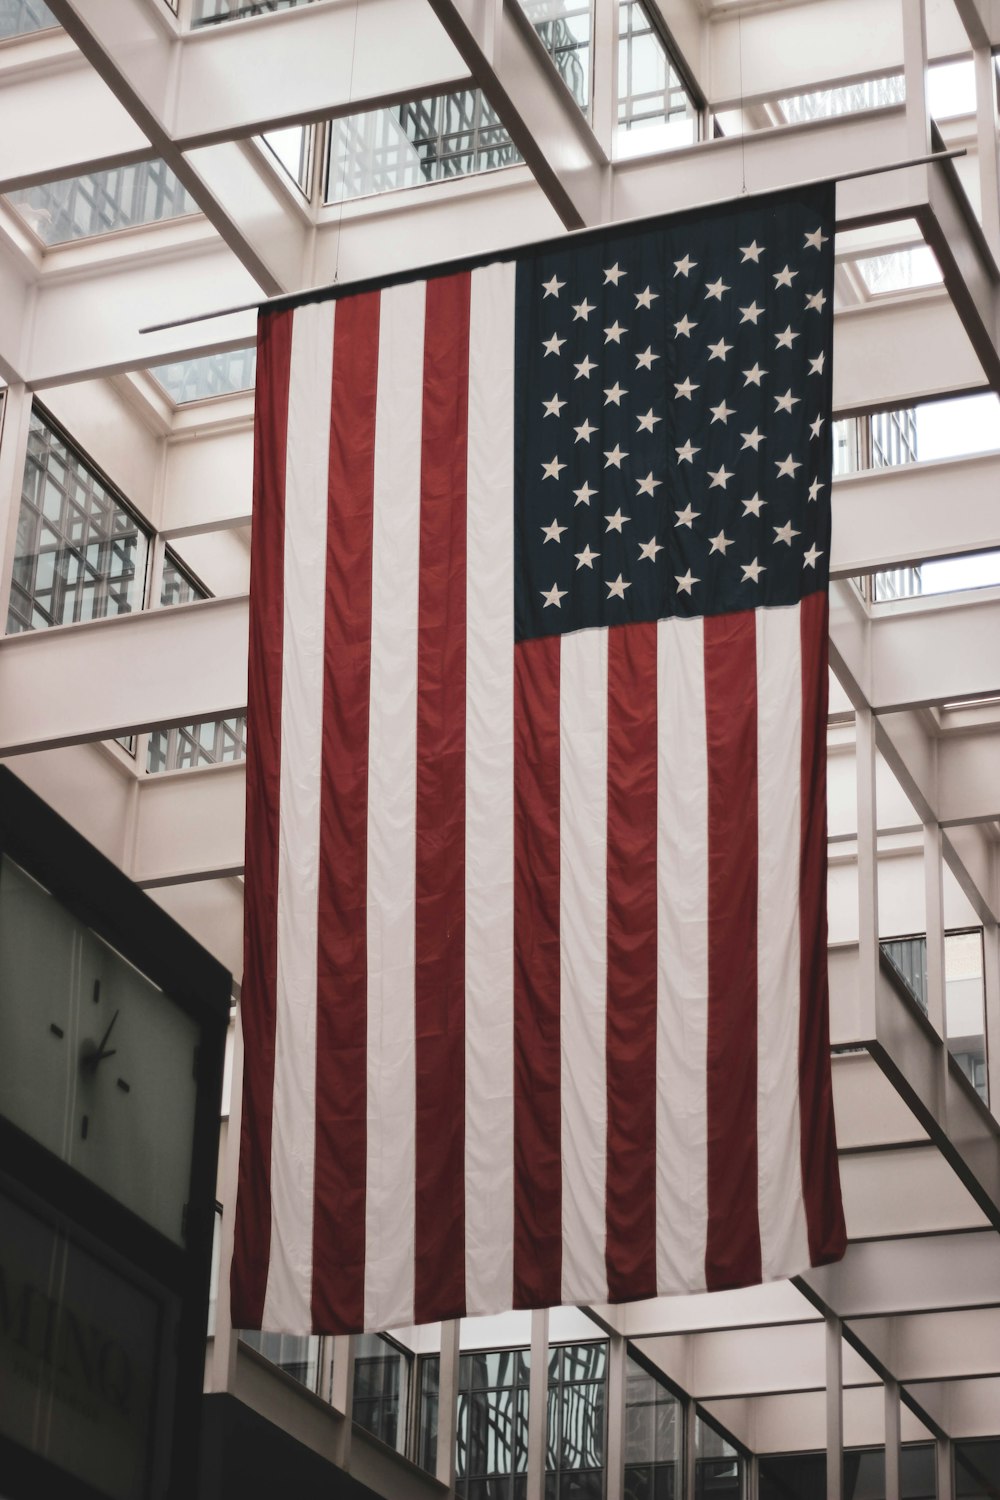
(208, 742)
(650, 91)
(653, 1436)
(19, 17)
(425, 140)
(565, 28)
(80, 553)
(296, 1354)
(378, 1387)
(208, 12)
(76, 208)
(208, 375)
(576, 1421)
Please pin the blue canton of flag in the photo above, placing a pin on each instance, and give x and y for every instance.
(673, 450)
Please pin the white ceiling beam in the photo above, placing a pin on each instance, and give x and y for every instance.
(87, 320)
(135, 50)
(933, 653)
(508, 61)
(968, 778)
(900, 351)
(308, 63)
(796, 1422)
(936, 1346)
(962, 1408)
(189, 826)
(105, 678)
(888, 518)
(751, 1361)
(879, 1278)
(911, 1190)
(67, 89)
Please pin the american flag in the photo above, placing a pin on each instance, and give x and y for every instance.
(534, 1002)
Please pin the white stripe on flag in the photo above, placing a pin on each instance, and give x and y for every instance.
(489, 817)
(784, 1237)
(583, 842)
(682, 960)
(392, 771)
(289, 1277)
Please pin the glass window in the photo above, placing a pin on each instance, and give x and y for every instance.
(977, 1469)
(718, 1468)
(208, 12)
(653, 1436)
(209, 375)
(292, 149)
(18, 17)
(427, 1411)
(379, 1388)
(964, 994)
(492, 1424)
(650, 91)
(102, 202)
(80, 552)
(426, 140)
(851, 98)
(576, 1422)
(565, 29)
(899, 270)
(208, 742)
(296, 1354)
(178, 585)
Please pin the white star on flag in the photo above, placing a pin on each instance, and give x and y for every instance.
(685, 582)
(554, 595)
(552, 287)
(752, 571)
(617, 589)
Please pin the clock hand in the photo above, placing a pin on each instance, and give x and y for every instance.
(101, 1051)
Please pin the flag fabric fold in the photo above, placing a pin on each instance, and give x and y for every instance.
(535, 997)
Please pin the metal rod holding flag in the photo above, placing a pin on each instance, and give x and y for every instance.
(288, 298)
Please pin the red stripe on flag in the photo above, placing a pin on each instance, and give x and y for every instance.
(631, 946)
(342, 982)
(260, 956)
(537, 1064)
(820, 1176)
(732, 1252)
(439, 981)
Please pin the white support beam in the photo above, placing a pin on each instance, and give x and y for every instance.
(880, 1278)
(899, 352)
(834, 1409)
(67, 88)
(926, 652)
(508, 61)
(796, 1422)
(308, 63)
(894, 517)
(112, 677)
(963, 1343)
(189, 826)
(908, 1191)
(135, 50)
(751, 1361)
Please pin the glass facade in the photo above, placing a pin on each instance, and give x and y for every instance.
(718, 1467)
(426, 140)
(965, 1024)
(19, 17)
(650, 90)
(379, 1406)
(492, 1425)
(210, 742)
(209, 12)
(296, 1354)
(851, 98)
(565, 30)
(80, 554)
(177, 585)
(207, 376)
(101, 202)
(577, 1422)
(653, 1437)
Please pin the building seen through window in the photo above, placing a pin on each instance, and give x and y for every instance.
(96, 203)
(19, 17)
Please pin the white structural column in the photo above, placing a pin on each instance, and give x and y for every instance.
(538, 1404)
(444, 1468)
(945, 1469)
(13, 450)
(892, 1439)
(342, 1392)
(615, 1448)
(934, 918)
(991, 1009)
(986, 145)
(918, 120)
(867, 867)
(834, 1409)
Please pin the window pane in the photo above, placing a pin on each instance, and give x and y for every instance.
(80, 554)
(178, 586)
(565, 29)
(427, 140)
(102, 202)
(208, 12)
(210, 375)
(18, 17)
(207, 742)
(650, 91)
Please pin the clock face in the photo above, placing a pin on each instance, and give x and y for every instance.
(96, 1062)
